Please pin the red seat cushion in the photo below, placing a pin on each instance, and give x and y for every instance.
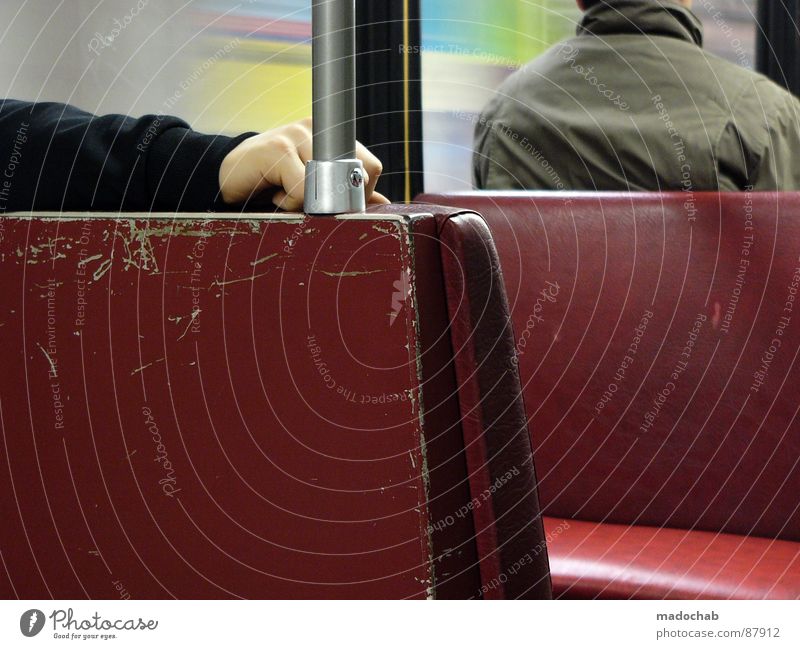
(600, 560)
(659, 377)
(657, 343)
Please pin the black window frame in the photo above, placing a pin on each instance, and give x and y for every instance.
(389, 92)
(778, 43)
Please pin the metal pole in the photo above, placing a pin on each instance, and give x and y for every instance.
(335, 177)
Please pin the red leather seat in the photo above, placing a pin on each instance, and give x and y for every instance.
(657, 338)
(602, 560)
(205, 407)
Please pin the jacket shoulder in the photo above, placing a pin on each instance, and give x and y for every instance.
(732, 75)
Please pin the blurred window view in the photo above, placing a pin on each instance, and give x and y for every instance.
(730, 29)
(260, 52)
(223, 65)
(231, 65)
(469, 47)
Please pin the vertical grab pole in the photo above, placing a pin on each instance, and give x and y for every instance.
(335, 177)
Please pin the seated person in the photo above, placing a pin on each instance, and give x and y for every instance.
(63, 159)
(632, 103)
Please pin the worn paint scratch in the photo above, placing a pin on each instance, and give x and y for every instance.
(35, 250)
(102, 269)
(139, 250)
(354, 273)
(144, 367)
(197, 311)
(50, 245)
(389, 231)
(83, 262)
(263, 259)
(47, 287)
(49, 360)
(252, 278)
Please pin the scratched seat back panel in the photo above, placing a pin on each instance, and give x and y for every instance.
(588, 276)
(235, 414)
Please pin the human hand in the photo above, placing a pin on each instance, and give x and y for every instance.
(276, 159)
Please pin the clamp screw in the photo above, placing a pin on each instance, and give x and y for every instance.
(356, 178)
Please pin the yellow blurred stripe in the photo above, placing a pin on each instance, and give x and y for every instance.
(259, 85)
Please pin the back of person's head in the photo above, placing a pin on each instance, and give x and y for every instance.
(588, 4)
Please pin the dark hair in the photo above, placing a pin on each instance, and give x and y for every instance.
(588, 4)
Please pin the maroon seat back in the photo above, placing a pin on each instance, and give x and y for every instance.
(657, 338)
(510, 536)
(209, 407)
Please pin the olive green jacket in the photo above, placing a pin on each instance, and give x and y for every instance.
(634, 103)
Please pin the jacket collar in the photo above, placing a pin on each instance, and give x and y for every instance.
(648, 17)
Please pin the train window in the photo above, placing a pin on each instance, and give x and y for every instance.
(229, 66)
(254, 56)
(113, 56)
(730, 29)
(470, 47)
(223, 65)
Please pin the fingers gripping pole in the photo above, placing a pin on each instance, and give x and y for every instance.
(335, 177)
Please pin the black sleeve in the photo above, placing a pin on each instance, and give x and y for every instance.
(56, 157)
